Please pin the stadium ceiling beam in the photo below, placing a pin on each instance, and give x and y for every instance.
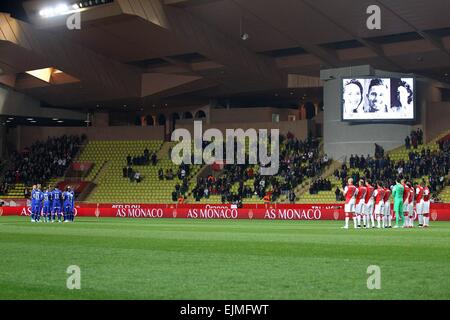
(435, 41)
(328, 57)
(187, 3)
(206, 40)
(369, 44)
(209, 83)
(92, 69)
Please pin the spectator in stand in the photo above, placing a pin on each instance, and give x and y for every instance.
(337, 192)
(26, 193)
(169, 174)
(154, 159)
(131, 176)
(407, 143)
(419, 136)
(414, 140)
(137, 176)
(161, 174)
(3, 188)
(292, 197)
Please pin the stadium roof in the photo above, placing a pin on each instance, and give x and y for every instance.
(143, 52)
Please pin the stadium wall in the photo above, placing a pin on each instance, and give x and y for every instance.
(251, 114)
(437, 119)
(438, 211)
(24, 136)
(342, 138)
(16, 104)
(298, 128)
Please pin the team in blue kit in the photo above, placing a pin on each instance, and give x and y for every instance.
(52, 204)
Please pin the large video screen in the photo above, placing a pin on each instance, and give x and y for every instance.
(378, 99)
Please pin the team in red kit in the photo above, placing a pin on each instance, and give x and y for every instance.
(370, 207)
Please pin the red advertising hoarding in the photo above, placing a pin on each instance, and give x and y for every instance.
(439, 211)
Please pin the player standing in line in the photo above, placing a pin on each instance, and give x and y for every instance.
(349, 194)
(426, 206)
(406, 195)
(47, 211)
(72, 205)
(57, 196)
(67, 203)
(360, 203)
(387, 207)
(33, 204)
(397, 193)
(406, 203)
(419, 203)
(39, 197)
(412, 197)
(369, 204)
(379, 203)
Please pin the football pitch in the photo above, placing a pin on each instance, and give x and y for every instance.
(220, 259)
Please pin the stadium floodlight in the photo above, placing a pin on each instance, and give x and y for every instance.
(46, 12)
(58, 10)
(55, 119)
(30, 119)
(61, 9)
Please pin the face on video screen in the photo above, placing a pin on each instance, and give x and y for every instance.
(404, 95)
(353, 96)
(377, 96)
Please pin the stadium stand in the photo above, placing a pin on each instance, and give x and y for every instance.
(300, 161)
(43, 162)
(430, 162)
(109, 158)
(318, 178)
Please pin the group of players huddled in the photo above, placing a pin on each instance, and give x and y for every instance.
(369, 203)
(52, 204)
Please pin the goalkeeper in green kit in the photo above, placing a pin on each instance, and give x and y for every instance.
(397, 193)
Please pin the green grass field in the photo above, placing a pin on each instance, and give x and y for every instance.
(218, 259)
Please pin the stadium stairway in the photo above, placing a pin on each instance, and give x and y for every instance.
(445, 194)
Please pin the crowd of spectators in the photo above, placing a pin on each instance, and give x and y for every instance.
(320, 185)
(4, 187)
(435, 165)
(414, 139)
(130, 173)
(142, 160)
(298, 160)
(41, 161)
